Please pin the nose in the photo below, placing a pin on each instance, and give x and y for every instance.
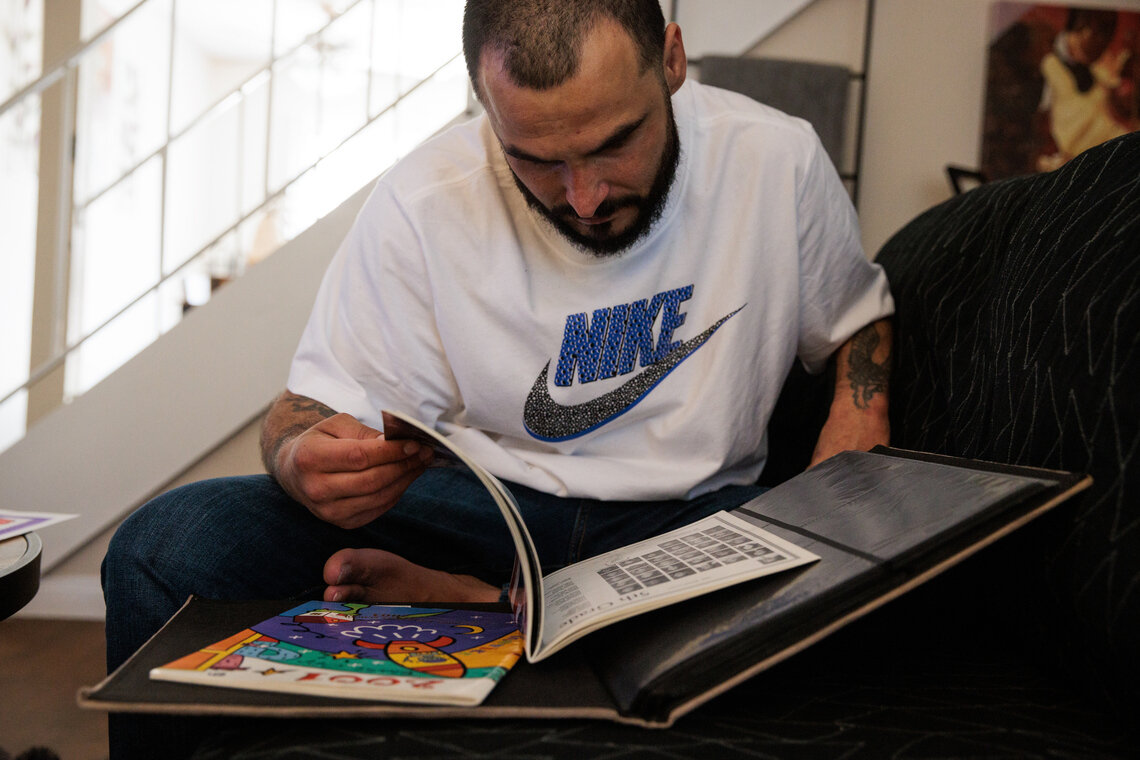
(585, 189)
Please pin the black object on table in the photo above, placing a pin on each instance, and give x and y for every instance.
(19, 572)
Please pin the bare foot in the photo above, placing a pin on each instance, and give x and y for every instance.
(377, 576)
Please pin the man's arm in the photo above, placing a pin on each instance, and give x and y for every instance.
(343, 471)
(858, 416)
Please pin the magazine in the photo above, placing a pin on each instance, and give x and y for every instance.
(389, 653)
(552, 611)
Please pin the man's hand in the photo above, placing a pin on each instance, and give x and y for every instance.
(858, 416)
(345, 472)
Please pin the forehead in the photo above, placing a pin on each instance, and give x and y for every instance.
(609, 90)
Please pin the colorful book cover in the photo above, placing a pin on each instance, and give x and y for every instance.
(361, 651)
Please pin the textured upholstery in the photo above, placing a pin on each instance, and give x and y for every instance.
(1018, 341)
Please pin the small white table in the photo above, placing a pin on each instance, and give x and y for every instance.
(19, 572)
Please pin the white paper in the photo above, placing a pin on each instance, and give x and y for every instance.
(709, 554)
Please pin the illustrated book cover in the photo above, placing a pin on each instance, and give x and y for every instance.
(374, 652)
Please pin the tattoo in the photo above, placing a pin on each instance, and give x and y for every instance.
(270, 449)
(866, 377)
(302, 404)
(275, 432)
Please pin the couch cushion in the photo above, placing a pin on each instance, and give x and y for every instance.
(1018, 341)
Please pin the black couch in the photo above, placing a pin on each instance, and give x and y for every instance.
(1016, 341)
(1019, 342)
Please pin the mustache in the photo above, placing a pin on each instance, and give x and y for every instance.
(605, 208)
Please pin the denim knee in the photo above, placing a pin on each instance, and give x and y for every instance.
(195, 539)
(148, 539)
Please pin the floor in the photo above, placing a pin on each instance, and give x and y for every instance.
(43, 663)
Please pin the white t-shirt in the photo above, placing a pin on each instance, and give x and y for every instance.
(644, 376)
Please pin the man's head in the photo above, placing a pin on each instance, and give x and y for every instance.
(1090, 33)
(578, 93)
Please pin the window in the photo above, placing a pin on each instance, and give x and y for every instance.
(208, 133)
(20, 52)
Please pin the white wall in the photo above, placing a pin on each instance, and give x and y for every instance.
(924, 107)
(924, 85)
(729, 27)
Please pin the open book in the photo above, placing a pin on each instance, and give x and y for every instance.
(717, 551)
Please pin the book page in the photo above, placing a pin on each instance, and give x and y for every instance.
(886, 506)
(709, 554)
(526, 582)
(712, 553)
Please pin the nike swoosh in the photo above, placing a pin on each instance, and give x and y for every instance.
(548, 420)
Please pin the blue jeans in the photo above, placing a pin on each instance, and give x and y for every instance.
(245, 538)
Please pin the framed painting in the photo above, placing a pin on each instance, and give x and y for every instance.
(1059, 81)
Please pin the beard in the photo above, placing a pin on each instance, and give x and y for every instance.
(601, 240)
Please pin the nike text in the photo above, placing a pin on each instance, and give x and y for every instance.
(612, 341)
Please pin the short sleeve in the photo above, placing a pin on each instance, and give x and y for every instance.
(840, 290)
(371, 341)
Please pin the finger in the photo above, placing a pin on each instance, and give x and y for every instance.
(331, 455)
(374, 481)
(373, 448)
(346, 426)
(354, 510)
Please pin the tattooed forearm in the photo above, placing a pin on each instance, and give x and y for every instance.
(271, 445)
(289, 416)
(303, 405)
(866, 376)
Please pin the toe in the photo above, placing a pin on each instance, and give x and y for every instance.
(338, 568)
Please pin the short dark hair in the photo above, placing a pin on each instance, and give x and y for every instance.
(541, 40)
(1101, 23)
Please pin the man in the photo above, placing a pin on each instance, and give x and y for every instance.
(596, 290)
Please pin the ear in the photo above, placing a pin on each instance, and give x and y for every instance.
(675, 63)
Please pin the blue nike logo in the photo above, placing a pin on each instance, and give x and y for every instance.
(548, 420)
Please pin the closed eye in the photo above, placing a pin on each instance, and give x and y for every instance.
(619, 139)
(612, 144)
(535, 161)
